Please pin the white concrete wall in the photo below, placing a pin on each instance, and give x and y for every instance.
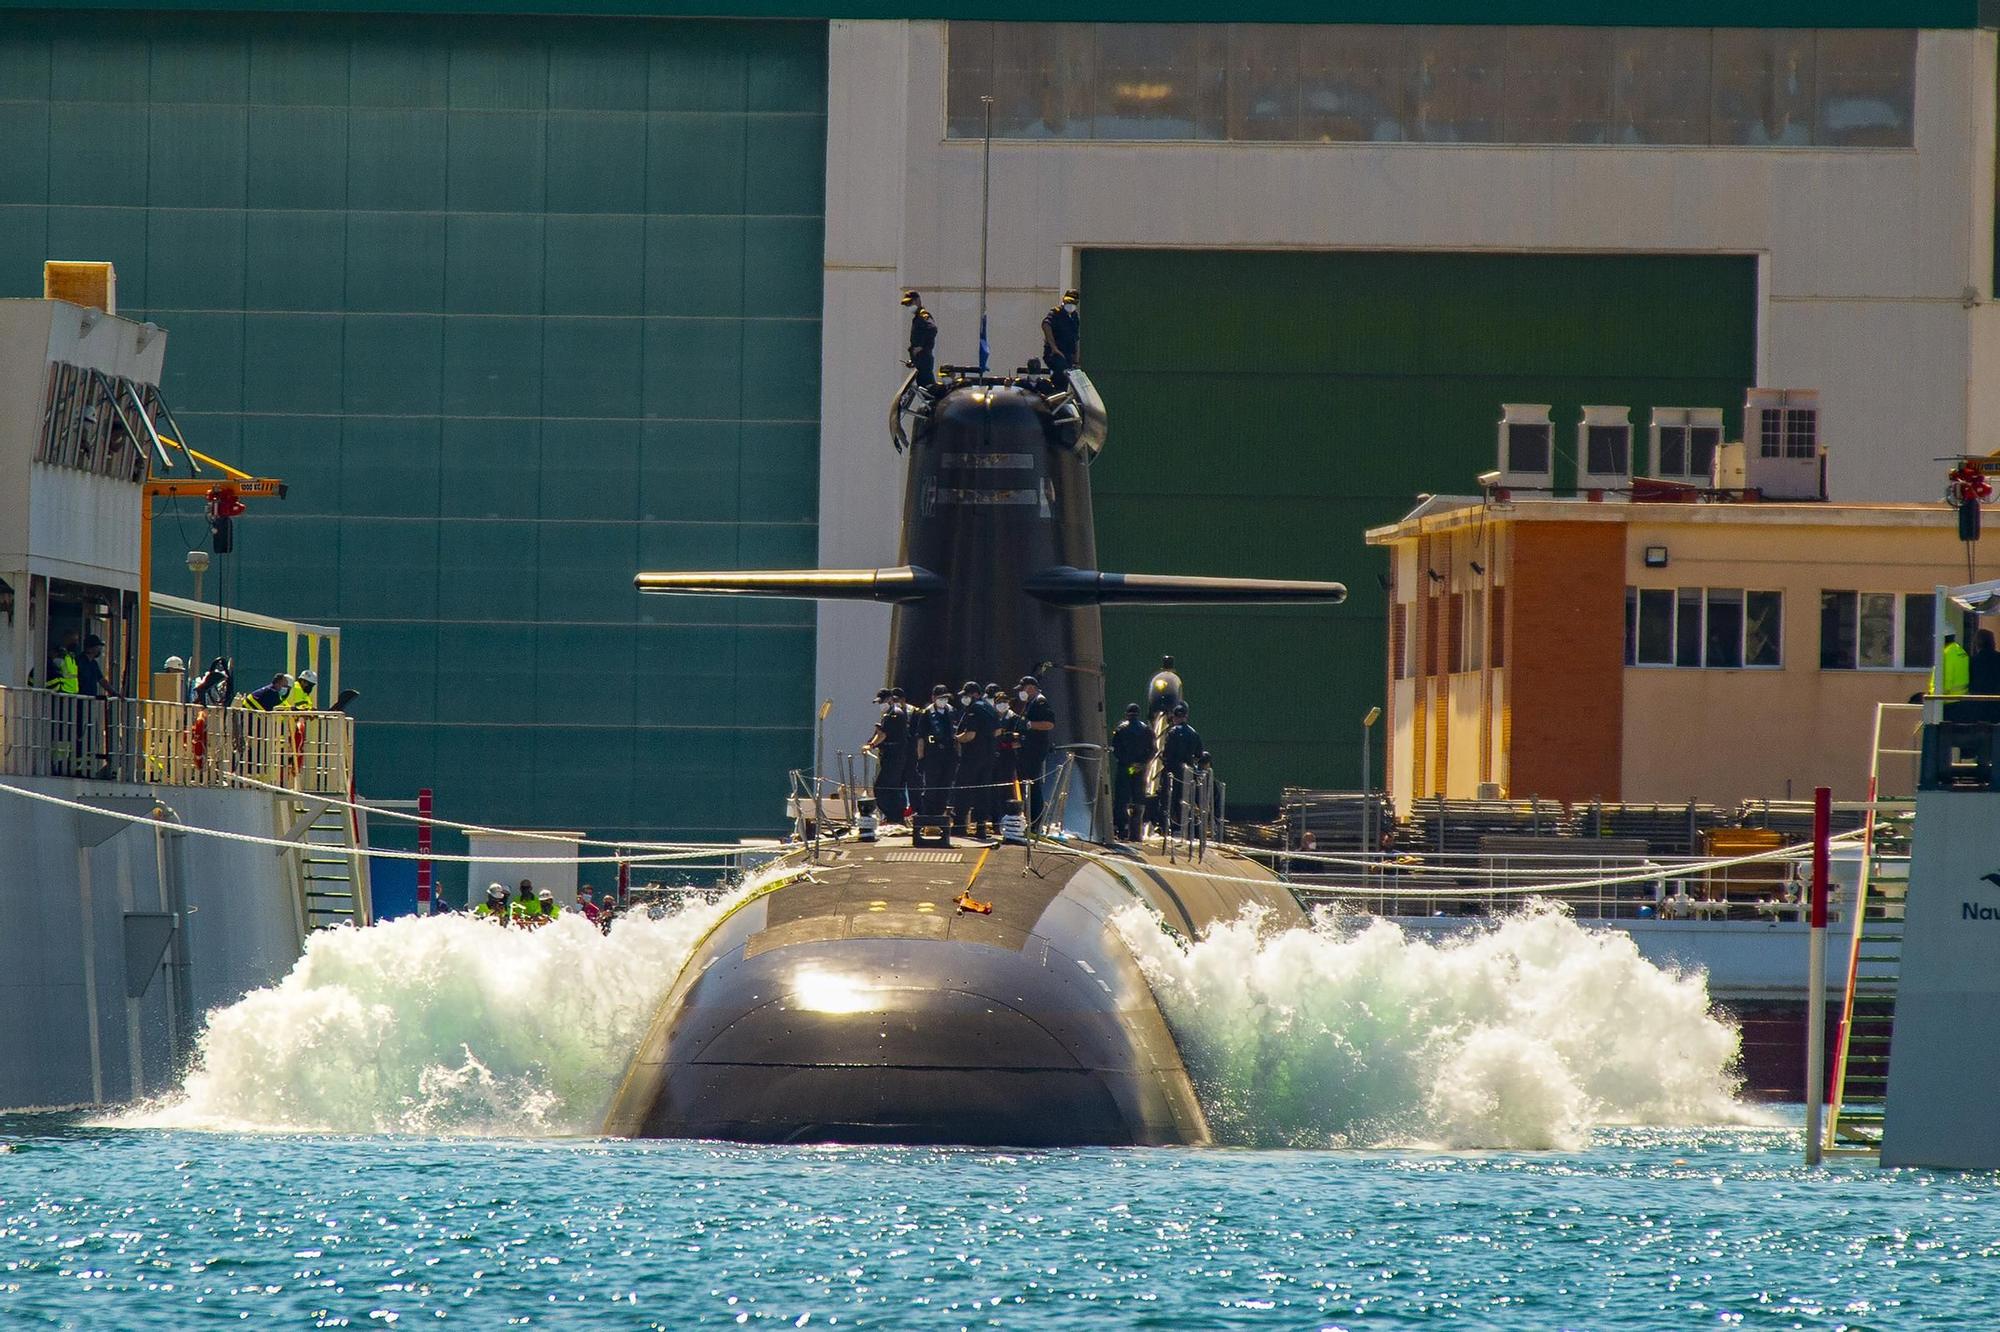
(1866, 257)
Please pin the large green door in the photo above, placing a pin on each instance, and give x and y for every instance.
(516, 306)
(1267, 407)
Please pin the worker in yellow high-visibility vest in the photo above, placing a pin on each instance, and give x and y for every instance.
(1954, 671)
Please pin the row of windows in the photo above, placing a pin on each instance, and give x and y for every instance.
(1730, 628)
(1725, 628)
(1473, 630)
(1716, 627)
(1353, 83)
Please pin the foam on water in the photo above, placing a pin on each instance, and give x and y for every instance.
(1356, 1033)
(440, 1025)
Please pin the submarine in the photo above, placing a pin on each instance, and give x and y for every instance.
(928, 989)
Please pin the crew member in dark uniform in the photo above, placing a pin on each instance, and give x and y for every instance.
(1180, 747)
(890, 746)
(1006, 744)
(1062, 334)
(1131, 751)
(977, 729)
(937, 752)
(923, 340)
(1039, 717)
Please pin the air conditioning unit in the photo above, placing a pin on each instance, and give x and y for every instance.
(1684, 440)
(1604, 450)
(1783, 452)
(1527, 447)
(1727, 471)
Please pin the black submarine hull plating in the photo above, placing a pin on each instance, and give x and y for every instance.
(857, 1003)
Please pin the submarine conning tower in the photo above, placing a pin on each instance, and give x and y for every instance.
(999, 573)
(996, 496)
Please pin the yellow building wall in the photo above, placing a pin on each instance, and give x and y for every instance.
(1726, 735)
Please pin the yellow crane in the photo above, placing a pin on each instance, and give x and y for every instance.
(224, 492)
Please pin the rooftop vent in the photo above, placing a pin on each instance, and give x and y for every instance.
(1527, 452)
(1783, 456)
(1684, 441)
(1604, 450)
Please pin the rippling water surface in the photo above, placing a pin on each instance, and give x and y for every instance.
(1644, 1228)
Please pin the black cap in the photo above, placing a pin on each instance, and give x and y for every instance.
(1180, 709)
(940, 691)
(1027, 680)
(527, 886)
(992, 690)
(895, 693)
(1131, 709)
(913, 297)
(969, 687)
(93, 641)
(1070, 295)
(881, 696)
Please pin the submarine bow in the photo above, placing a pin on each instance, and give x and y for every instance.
(854, 997)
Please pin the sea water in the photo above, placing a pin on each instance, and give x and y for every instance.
(1527, 1128)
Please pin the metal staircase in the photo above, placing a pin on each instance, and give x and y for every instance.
(1860, 1085)
(328, 878)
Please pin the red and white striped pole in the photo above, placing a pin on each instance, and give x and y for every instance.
(1816, 976)
(424, 850)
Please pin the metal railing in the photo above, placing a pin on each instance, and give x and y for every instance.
(159, 743)
(1686, 888)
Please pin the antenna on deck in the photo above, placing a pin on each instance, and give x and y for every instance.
(985, 225)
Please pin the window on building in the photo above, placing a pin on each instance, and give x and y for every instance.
(1771, 433)
(1474, 656)
(1724, 635)
(1719, 628)
(1498, 633)
(1673, 451)
(1656, 626)
(1455, 629)
(1527, 448)
(1763, 628)
(1875, 631)
(1399, 642)
(1687, 627)
(1919, 631)
(1362, 83)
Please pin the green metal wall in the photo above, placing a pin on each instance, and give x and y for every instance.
(1268, 407)
(517, 306)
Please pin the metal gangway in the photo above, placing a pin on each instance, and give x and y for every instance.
(1859, 1086)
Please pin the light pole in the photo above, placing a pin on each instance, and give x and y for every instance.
(197, 561)
(1367, 786)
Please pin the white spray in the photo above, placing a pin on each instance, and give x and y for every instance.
(1522, 1035)
(440, 1025)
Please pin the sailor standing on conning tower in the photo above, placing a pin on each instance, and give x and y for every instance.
(1062, 334)
(923, 340)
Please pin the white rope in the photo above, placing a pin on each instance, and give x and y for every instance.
(522, 833)
(1495, 890)
(374, 853)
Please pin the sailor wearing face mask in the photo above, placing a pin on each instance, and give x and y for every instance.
(937, 752)
(978, 727)
(1006, 741)
(1062, 332)
(1038, 721)
(890, 746)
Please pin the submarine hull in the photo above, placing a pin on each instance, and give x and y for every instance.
(855, 1002)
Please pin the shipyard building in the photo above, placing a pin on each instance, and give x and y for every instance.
(517, 305)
